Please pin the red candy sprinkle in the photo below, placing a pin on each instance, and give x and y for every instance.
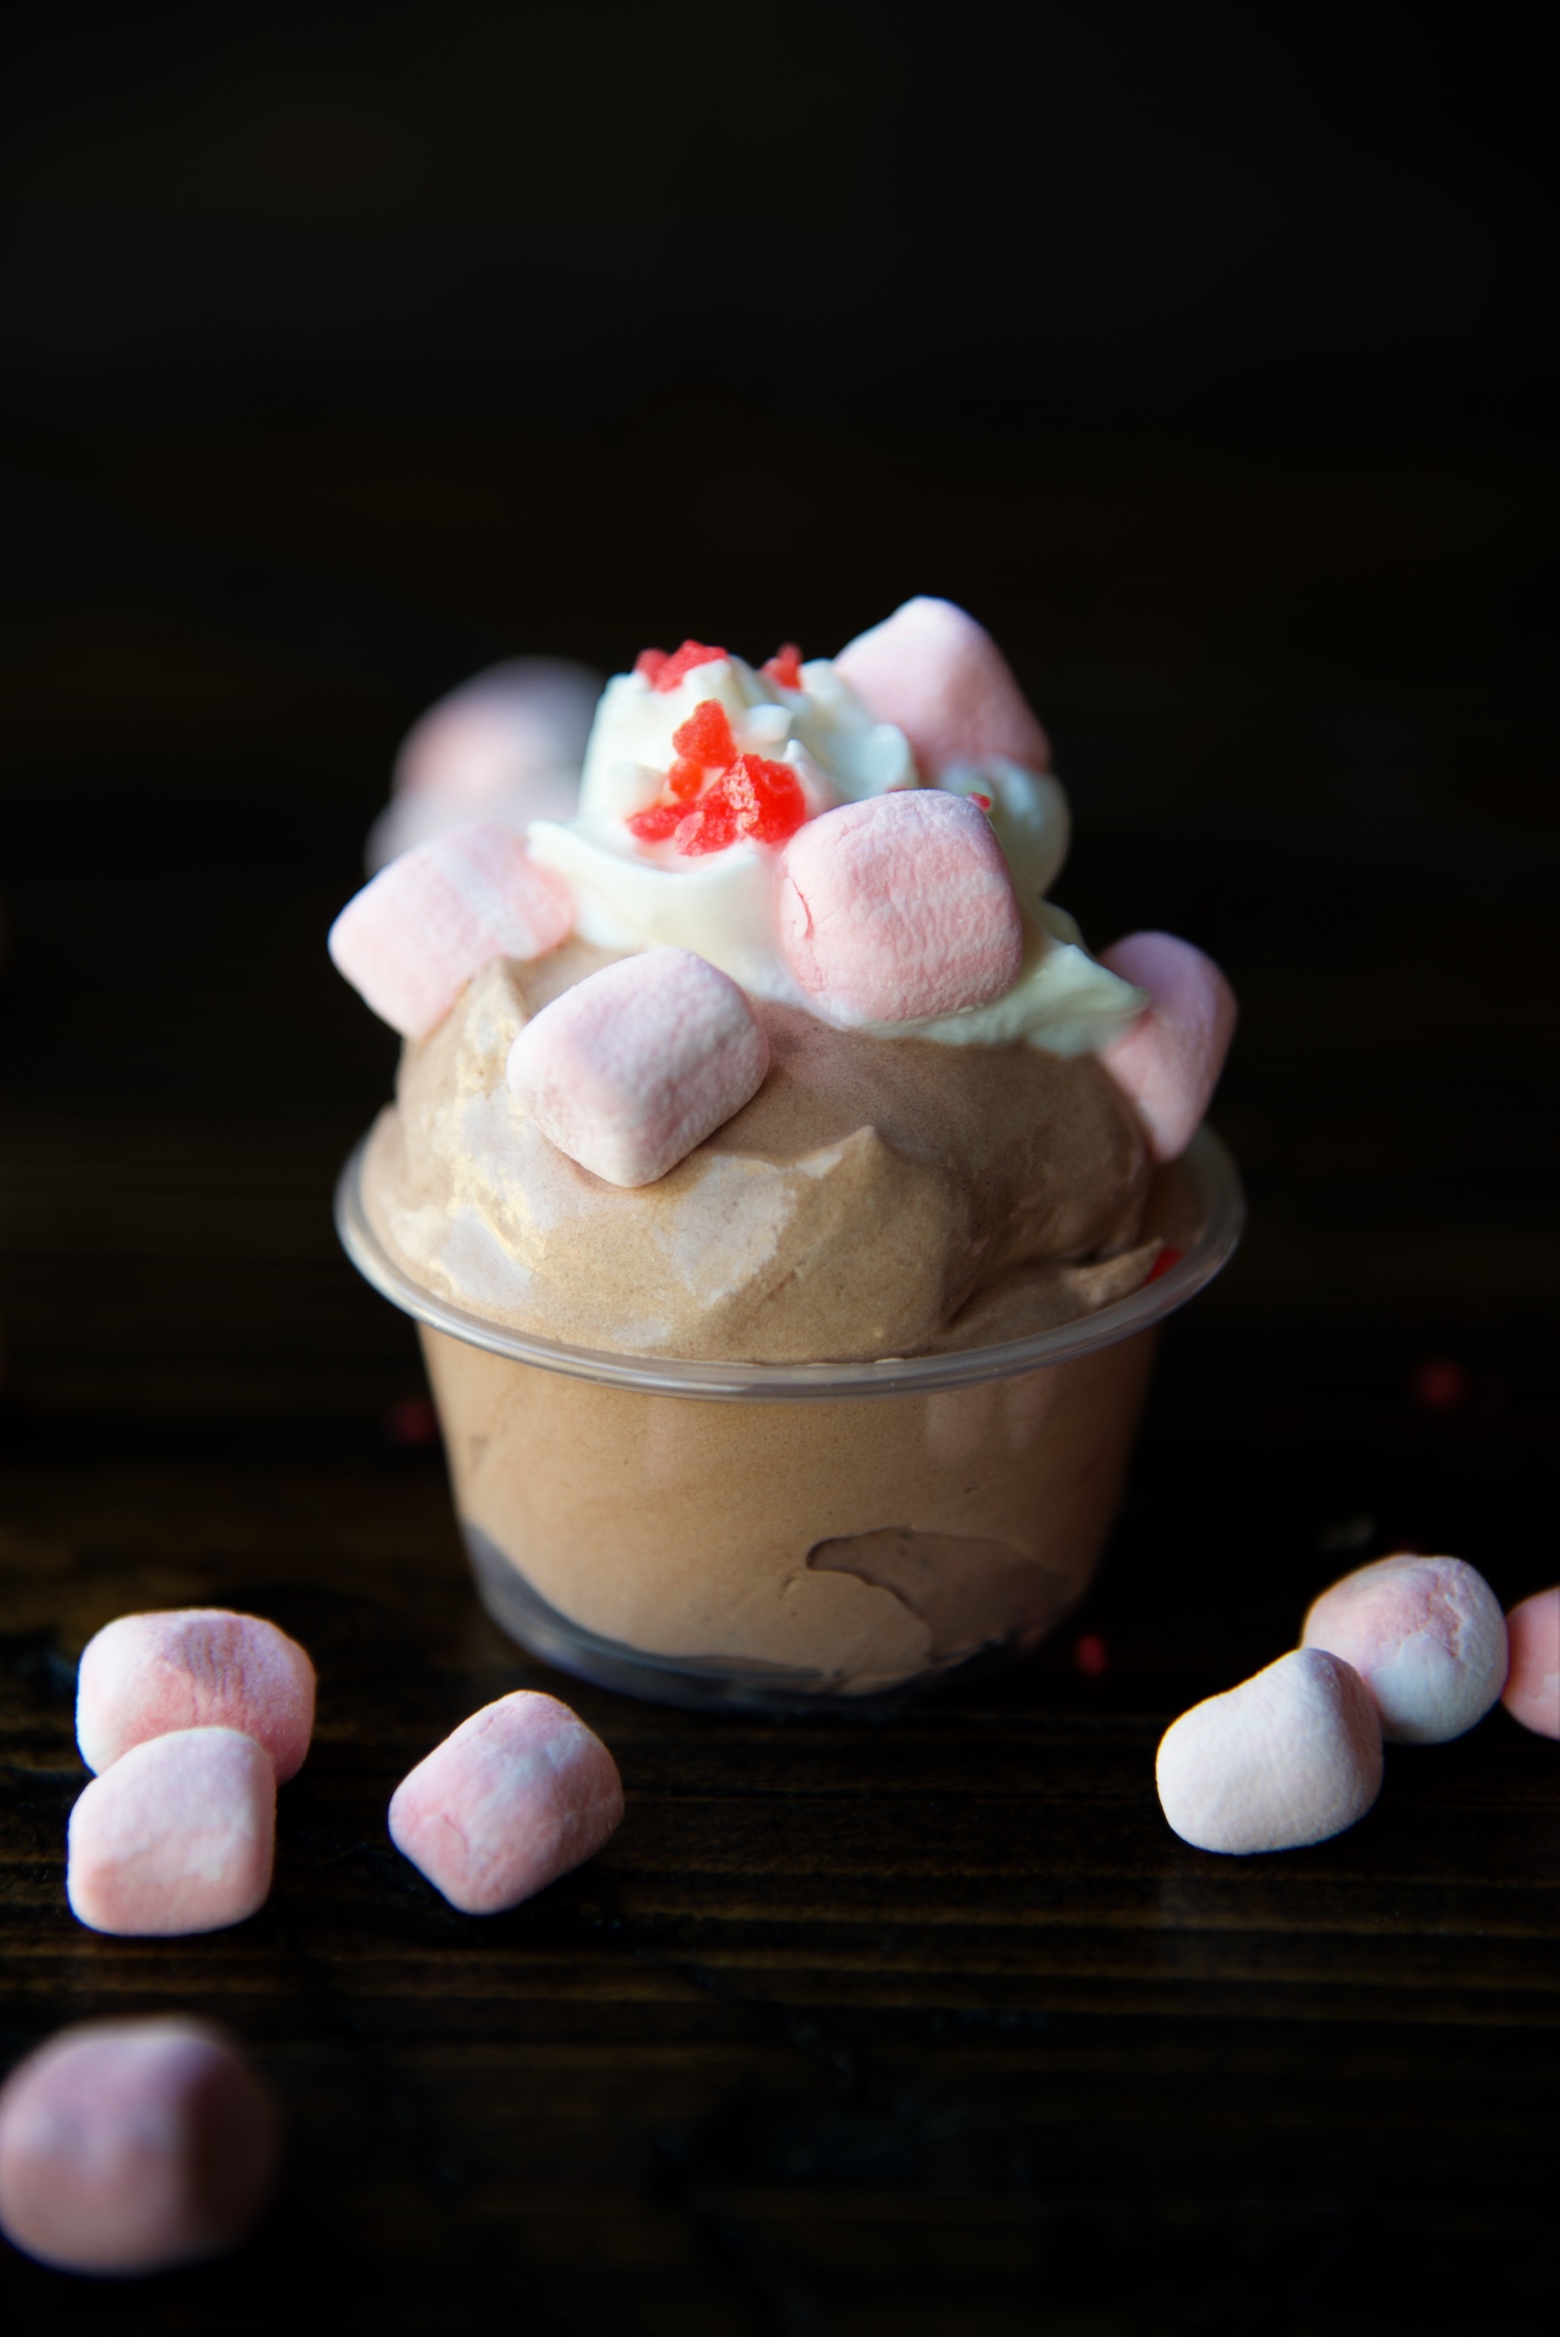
(785, 667)
(658, 823)
(755, 799)
(749, 797)
(664, 673)
(1169, 1256)
(984, 801)
(705, 748)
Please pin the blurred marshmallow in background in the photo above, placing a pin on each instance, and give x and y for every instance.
(505, 747)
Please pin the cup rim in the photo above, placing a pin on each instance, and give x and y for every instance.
(1215, 1183)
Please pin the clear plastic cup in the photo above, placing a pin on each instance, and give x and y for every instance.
(795, 1537)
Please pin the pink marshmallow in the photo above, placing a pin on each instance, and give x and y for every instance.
(935, 673)
(634, 1066)
(178, 1836)
(507, 746)
(412, 939)
(131, 2147)
(1532, 1692)
(899, 908)
(1168, 1063)
(194, 1667)
(520, 1794)
(1288, 1758)
(1427, 1637)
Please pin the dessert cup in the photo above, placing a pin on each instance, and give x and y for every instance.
(798, 1537)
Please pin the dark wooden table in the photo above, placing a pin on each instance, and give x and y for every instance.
(925, 2028)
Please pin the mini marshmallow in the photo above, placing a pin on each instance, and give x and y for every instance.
(178, 1836)
(1427, 1637)
(940, 678)
(520, 1794)
(899, 908)
(129, 2147)
(412, 939)
(194, 1667)
(1168, 1063)
(1288, 1758)
(634, 1066)
(1532, 1691)
(505, 746)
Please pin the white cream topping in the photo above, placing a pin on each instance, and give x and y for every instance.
(631, 895)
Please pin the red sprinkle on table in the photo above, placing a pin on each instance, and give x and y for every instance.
(664, 673)
(412, 1421)
(785, 667)
(1440, 1385)
(756, 799)
(1169, 1256)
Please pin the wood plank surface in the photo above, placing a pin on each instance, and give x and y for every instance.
(929, 2027)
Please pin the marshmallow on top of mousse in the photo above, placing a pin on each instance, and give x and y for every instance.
(937, 675)
(900, 909)
(520, 1794)
(412, 939)
(130, 2147)
(1532, 1691)
(1427, 1637)
(1289, 1758)
(637, 1064)
(504, 746)
(1168, 1062)
(144, 1676)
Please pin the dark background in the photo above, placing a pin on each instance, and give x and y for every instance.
(1212, 363)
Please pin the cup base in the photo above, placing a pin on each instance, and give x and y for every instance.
(696, 1683)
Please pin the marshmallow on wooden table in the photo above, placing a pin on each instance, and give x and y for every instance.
(1168, 1063)
(634, 1066)
(1532, 1691)
(938, 676)
(1288, 1758)
(506, 745)
(130, 2147)
(194, 1667)
(899, 908)
(412, 939)
(1427, 1637)
(178, 1836)
(520, 1794)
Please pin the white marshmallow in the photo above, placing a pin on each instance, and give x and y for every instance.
(194, 1667)
(178, 1836)
(130, 2147)
(1288, 1758)
(1532, 1691)
(1427, 1637)
(520, 1794)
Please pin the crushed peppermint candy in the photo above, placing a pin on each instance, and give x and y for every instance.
(716, 795)
(664, 672)
(785, 667)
